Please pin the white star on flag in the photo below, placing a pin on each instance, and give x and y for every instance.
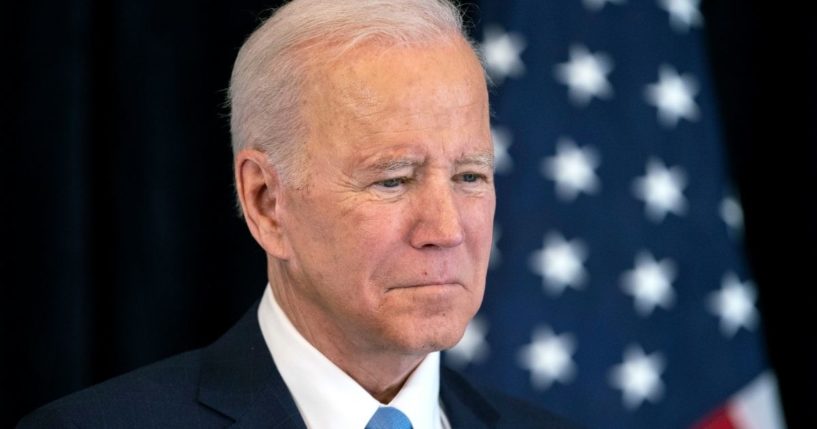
(597, 5)
(661, 189)
(502, 141)
(560, 263)
(650, 283)
(549, 358)
(496, 257)
(683, 14)
(573, 169)
(734, 304)
(585, 74)
(732, 214)
(472, 347)
(673, 95)
(639, 377)
(502, 52)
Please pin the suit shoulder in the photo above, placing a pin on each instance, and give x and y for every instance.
(146, 391)
(520, 413)
(508, 411)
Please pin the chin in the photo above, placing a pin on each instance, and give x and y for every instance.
(425, 321)
(431, 337)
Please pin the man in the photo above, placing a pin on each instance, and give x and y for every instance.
(363, 167)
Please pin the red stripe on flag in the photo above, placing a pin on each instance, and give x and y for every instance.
(719, 419)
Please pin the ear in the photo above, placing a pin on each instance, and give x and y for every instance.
(259, 190)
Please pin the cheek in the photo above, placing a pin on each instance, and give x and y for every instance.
(320, 237)
(478, 222)
(377, 228)
(378, 247)
(360, 246)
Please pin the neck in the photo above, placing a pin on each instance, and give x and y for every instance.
(382, 373)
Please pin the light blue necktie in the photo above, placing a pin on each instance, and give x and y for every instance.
(388, 418)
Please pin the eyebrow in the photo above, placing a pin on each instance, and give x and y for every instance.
(393, 164)
(386, 164)
(482, 159)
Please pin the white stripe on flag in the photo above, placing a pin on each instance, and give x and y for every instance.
(757, 406)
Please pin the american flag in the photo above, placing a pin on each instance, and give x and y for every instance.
(618, 293)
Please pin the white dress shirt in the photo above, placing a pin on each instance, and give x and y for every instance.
(327, 397)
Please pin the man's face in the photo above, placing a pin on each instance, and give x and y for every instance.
(390, 236)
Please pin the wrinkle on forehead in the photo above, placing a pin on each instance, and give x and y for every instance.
(365, 105)
(389, 121)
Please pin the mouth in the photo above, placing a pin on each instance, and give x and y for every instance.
(428, 285)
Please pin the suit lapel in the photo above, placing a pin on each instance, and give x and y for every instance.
(464, 406)
(240, 381)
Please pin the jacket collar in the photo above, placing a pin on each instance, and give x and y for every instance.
(464, 406)
(239, 379)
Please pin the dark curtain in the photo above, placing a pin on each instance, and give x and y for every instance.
(120, 243)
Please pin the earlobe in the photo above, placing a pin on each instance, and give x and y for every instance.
(259, 189)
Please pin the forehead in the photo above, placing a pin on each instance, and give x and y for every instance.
(379, 93)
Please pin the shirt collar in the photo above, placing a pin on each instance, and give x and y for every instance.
(325, 395)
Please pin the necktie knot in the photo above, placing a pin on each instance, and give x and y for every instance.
(389, 418)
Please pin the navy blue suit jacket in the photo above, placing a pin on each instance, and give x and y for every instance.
(234, 383)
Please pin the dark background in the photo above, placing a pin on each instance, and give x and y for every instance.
(120, 244)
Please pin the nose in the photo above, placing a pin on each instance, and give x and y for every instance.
(438, 222)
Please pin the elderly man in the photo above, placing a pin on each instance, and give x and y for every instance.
(363, 166)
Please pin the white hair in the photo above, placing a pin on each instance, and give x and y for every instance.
(274, 62)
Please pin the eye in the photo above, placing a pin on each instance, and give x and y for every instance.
(470, 177)
(393, 182)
